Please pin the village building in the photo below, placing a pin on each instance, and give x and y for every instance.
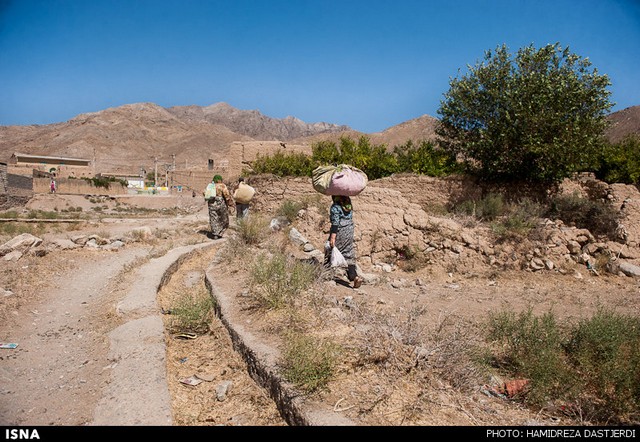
(61, 167)
(135, 181)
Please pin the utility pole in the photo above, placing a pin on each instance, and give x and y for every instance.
(155, 177)
(173, 169)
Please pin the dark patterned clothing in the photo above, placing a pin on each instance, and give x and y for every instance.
(342, 225)
(218, 216)
(219, 210)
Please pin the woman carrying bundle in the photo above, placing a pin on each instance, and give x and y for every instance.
(341, 236)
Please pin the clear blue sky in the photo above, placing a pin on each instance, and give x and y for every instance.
(369, 64)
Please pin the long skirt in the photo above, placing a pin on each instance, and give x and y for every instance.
(346, 244)
(218, 216)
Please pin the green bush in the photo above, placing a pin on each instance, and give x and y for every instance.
(289, 209)
(605, 350)
(412, 258)
(591, 368)
(13, 228)
(374, 160)
(519, 220)
(425, 159)
(42, 214)
(283, 164)
(531, 349)
(599, 217)
(275, 279)
(620, 162)
(9, 214)
(487, 208)
(308, 362)
(252, 229)
(537, 115)
(377, 161)
(192, 313)
(105, 182)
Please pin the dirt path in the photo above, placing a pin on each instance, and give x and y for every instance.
(56, 374)
(92, 348)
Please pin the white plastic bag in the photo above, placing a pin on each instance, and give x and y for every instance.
(337, 260)
(210, 191)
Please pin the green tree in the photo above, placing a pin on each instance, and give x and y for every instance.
(620, 162)
(538, 116)
(374, 160)
(283, 164)
(424, 159)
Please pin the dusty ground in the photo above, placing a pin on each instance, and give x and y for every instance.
(60, 308)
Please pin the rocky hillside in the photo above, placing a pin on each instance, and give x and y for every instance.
(252, 123)
(418, 129)
(623, 123)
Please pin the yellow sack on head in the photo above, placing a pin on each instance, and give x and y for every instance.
(321, 178)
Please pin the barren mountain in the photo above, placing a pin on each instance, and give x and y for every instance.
(252, 123)
(624, 122)
(121, 138)
(129, 137)
(418, 129)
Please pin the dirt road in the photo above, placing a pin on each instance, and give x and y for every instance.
(90, 336)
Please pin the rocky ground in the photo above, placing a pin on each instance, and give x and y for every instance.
(60, 304)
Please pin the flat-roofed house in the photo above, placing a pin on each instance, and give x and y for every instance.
(135, 180)
(62, 167)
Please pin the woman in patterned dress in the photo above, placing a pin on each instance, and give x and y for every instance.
(341, 236)
(219, 208)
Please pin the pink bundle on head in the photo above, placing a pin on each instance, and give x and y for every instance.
(339, 180)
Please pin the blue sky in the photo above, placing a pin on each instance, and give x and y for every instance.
(369, 64)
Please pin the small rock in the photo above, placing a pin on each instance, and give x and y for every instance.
(222, 389)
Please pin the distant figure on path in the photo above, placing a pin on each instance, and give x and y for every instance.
(52, 186)
(220, 203)
(243, 196)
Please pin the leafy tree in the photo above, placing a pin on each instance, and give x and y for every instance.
(424, 159)
(539, 116)
(620, 162)
(283, 164)
(374, 160)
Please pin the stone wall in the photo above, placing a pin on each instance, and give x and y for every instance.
(241, 153)
(19, 185)
(77, 187)
(197, 180)
(4, 183)
(395, 215)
